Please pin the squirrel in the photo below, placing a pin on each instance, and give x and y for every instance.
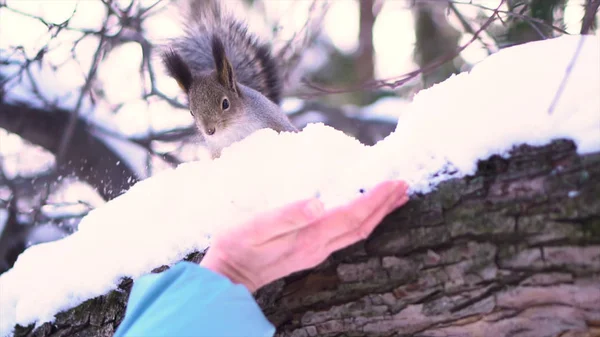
(230, 78)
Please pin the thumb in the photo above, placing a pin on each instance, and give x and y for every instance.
(284, 220)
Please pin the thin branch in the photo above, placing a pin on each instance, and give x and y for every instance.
(66, 138)
(154, 91)
(568, 71)
(73, 118)
(16, 11)
(290, 54)
(537, 29)
(515, 14)
(397, 81)
(144, 11)
(591, 9)
(130, 30)
(49, 25)
(467, 27)
(146, 142)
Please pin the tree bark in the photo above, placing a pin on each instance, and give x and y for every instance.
(512, 251)
(365, 58)
(435, 37)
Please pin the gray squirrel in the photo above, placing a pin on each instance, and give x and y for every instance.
(231, 80)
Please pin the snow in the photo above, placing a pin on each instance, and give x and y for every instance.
(504, 101)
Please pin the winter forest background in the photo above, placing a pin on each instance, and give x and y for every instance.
(86, 110)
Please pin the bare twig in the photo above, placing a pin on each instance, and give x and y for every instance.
(292, 51)
(144, 11)
(154, 91)
(66, 138)
(568, 71)
(127, 28)
(519, 15)
(397, 81)
(50, 25)
(467, 27)
(146, 142)
(70, 128)
(591, 9)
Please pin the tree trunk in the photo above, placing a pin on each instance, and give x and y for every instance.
(435, 37)
(365, 58)
(511, 251)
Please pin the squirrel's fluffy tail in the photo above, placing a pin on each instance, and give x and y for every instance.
(253, 64)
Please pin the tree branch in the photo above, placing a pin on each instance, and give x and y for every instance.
(589, 17)
(497, 252)
(87, 157)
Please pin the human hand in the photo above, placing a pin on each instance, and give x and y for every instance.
(298, 236)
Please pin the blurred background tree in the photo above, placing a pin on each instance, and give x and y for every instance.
(86, 110)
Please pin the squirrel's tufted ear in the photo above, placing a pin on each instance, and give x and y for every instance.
(178, 69)
(225, 73)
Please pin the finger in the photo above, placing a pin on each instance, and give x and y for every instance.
(347, 218)
(309, 246)
(402, 198)
(317, 245)
(366, 228)
(287, 220)
(283, 220)
(351, 216)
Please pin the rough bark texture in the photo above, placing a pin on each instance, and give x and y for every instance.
(511, 251)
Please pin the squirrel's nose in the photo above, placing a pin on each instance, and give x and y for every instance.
(210, 131)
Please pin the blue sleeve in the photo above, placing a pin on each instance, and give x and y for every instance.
(189, 300)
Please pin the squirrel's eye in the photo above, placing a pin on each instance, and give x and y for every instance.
(191, 113)
(225, 104)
